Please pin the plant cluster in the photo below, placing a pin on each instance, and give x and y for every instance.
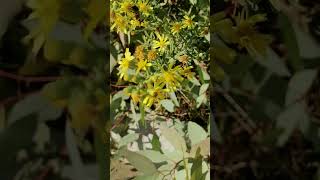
(161, 57)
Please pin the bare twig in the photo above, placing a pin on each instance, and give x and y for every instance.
(27, 79)
(236, 106)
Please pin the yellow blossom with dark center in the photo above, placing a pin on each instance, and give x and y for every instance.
(176, 27)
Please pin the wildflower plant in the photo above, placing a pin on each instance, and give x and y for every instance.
(167, 49)
(161, 60)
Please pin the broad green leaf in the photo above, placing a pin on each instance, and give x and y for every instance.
(175, 139)
(34, 103)
(294, 116)
(290, 42)
(174, 98)
(204, 148)
(128, 139)
(273, 63)
(156, 143)
(74, 154)
(299, 84)
(201, 99)
(196, 168)
(41, 136)
(156, 176)
(168, 105)
(203, 88)
(140, 162)
(154, 156)
(196, 133)
(193, 2)
(102, 147)
(195, 81)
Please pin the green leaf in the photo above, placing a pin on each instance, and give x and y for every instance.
(168, 105)
(196, 168)
(204, 148)
(140, 162)
(196, 133)
(34, 103)
(102, 148)
(290, 42)
(128, 139)
(155, 176)
(299, 85)
(74, 154)
(154, 156)
(175, 139)
(156, 143)
(193, 2)
(292, 117)
(201, 99)
(203, 88)
(273, 63)
(174, 98)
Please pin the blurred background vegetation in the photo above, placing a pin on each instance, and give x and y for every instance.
(266, 108)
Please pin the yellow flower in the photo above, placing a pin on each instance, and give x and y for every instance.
(152, 55)
(126, 6)
(247, 35)
(139, 54)
(120, 23)
(144, 8)
(187, 72)
(162, 43)
(171, 78)
(144, 24)
(155, 93)
(124, 65)
(142, 65)
(134, 23)
(188, 22)
(176, 27)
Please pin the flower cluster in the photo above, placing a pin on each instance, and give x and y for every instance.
(161, 59)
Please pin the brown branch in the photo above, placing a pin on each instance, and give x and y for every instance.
(118, 86)
(27, 79)
(120, 119)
